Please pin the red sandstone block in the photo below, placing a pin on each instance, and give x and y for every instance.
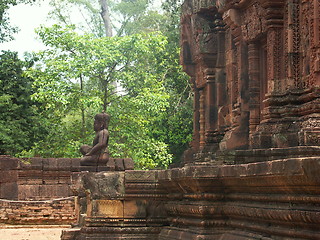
(91, 168)
(128, 164)
(259, 168)
(277, 167)
(140, 176)
(28, 192)
(50, 164)
(9, 191)
(8, 162)
(8, 176)
(293, 166)
(64, 177)
(22, 178)
(228, 171)
(31, 163)
(203, 172)
(164, 175)
(312, 168)
(48, 191)
(63, 190)
(64, 164)
(30, 176)
(75, 164)
(107, 208)
(135, 209)
(119, 166)
(50, 177)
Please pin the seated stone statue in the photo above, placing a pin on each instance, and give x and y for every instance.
(97, 154)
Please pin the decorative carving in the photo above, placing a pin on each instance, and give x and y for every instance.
(272, 64)
(253, 22)
(202, 119)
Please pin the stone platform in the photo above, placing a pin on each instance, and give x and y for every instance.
(276, 199)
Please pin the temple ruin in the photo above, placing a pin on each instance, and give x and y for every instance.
(252, 169)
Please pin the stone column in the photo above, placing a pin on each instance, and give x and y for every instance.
(222, 102)
(196, 117)
(316, 41)
(254, 86)
(210, 106)
(294, 79)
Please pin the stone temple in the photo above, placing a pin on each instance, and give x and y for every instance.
(252, 169)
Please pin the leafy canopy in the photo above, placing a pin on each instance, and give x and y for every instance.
(136, 63)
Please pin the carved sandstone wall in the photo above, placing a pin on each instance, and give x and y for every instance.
(252, 171)
(276, 199)
(254, 66)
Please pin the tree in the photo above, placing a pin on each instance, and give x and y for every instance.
(20, 125)
(150, 116)
(134, 62)
(103, 17)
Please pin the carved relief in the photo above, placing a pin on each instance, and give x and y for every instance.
(253, 22)
(294, 39)
(305, 45)
(270, 58)
(274, 58)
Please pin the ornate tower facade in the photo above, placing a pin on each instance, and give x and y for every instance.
(255, 70)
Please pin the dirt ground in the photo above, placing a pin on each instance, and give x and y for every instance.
(34, 233)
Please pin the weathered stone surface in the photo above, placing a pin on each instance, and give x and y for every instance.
(119, 205)
(104, 185)
(37, 212)
(9, 190)
(251, 64)
(36, 178)
(128, 164)
(8, 163)
(276, 199)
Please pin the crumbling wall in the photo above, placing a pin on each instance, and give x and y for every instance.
(57, 211)
(37, 190)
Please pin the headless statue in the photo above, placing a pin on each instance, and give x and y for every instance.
(98, 153)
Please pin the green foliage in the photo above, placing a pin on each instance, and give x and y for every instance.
(19, 122)
(134, 62)
(6, 30)
(135, 76)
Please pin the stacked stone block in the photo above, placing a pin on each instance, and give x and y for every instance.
(37, 190)
(59, 211)
(8, 177)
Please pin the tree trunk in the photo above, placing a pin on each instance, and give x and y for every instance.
(106, 17)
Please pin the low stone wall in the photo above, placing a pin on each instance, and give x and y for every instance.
(53, 212)
(36, 178)
(37, 190)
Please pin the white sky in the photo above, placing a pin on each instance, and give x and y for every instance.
(27, 18)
